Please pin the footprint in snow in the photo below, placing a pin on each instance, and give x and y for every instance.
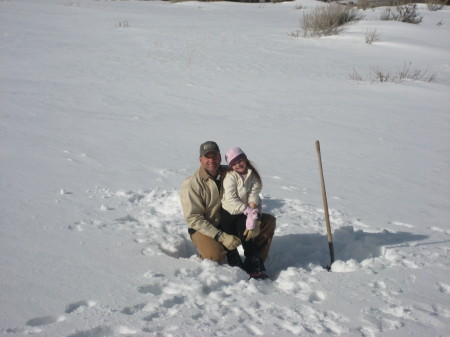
(154, 289)
(133, 309)
(444, 288)
(367, 331)
(78, 306)
(105, 331)
(317, 296)
(45, 320)
(440, 311)
(380, 321)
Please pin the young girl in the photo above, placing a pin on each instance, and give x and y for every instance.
(241, 206)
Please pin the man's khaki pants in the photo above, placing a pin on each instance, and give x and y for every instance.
(212, 250)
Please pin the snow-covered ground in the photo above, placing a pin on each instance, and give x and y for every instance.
(103, 107)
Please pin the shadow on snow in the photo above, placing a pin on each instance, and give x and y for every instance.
(301, 250)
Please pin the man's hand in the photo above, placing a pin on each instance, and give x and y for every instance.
(230, 242)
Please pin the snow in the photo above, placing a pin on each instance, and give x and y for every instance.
(103, 107)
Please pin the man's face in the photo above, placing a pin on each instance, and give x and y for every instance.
(211, 162)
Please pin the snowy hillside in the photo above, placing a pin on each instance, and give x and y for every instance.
(103, 107)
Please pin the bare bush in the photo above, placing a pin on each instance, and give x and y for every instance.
(408, 14)
(364, 4)
(327, 20)
(407, 73)
(414, 74)
(355, 76)
(296, 34)
(372, 36)
(380, 76)
(435, 5)
(123, 24)
(397, 3)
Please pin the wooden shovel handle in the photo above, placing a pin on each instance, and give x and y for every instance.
(325, 202)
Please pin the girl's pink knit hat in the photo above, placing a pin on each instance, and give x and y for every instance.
(233, 155)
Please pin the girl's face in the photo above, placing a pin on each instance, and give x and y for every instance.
(240, 166)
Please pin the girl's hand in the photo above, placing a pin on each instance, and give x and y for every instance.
(252, 204)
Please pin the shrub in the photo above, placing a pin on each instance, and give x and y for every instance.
(415, 74)
(435, 5)
(327, 20)
(408, 14)
(364, 4)
(372, 36)
(405, 74)
(123, 24)
(355, 76)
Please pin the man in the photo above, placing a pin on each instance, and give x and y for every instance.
(201, 196)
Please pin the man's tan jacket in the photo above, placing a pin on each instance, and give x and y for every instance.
(201, 202)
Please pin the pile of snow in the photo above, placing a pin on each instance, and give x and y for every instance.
(103, 107)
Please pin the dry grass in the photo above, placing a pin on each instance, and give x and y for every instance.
(364, 4)
(326, 20)
(408, 14)
(407, 73)
(372, 36)
(123, 24)
(436, 5)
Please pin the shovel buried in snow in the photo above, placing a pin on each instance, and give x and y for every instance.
(325, 207)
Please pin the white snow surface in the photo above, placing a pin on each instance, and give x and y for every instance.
(103, 107)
